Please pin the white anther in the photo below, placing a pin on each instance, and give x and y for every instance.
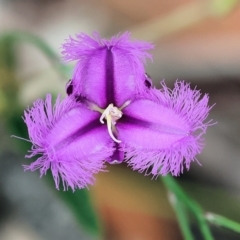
(111, 114)
(125, 104)
(109, 127)
(106, 112)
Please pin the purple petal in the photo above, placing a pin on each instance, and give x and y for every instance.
(107, 71)
(163, 133)
(70, 139)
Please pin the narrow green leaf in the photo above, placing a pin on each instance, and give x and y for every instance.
(223, 222)
(172, 186)
(182, 217)
(19, 37)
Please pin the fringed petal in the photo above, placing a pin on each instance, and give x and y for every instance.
(70, 141)
(162, 133)
(107, 71)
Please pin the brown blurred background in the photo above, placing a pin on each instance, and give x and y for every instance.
(197, 41)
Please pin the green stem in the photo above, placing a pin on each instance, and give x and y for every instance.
(25, 37)
(204, 226)
(181, 216)
(222, 221)
(197, 211)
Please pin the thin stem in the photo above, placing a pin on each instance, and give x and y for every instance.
(204, 226)
(181, 216)
(25, 37)
(197, 211)
(222, 221)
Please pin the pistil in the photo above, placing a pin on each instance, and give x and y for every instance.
(111, 114)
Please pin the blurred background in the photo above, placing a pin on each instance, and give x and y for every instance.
(196, 40)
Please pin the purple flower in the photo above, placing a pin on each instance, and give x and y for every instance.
(113, 114)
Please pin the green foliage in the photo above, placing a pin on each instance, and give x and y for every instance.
(222, 221)
(183, 204)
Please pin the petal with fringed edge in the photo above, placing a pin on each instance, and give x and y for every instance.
(70, 141)
(162, 132)
(107, 71)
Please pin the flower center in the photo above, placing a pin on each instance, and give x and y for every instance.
(111, 114)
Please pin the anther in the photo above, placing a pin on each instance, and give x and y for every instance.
(111, 114)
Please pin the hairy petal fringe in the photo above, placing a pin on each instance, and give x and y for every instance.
(193, 109)
(84, 45)
(188, 103)
(66, 157)
(113, 67)
(160, 162)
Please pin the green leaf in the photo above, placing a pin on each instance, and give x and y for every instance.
(182, 217)
(173, 187)
(223, 221)
(18, 37)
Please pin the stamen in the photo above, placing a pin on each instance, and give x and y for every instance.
(94, 107)
(111, 114)
(105, 113)
(109, 126)
(125, 104)
(21, 138)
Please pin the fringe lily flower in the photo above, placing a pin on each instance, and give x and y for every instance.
(113, 114)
